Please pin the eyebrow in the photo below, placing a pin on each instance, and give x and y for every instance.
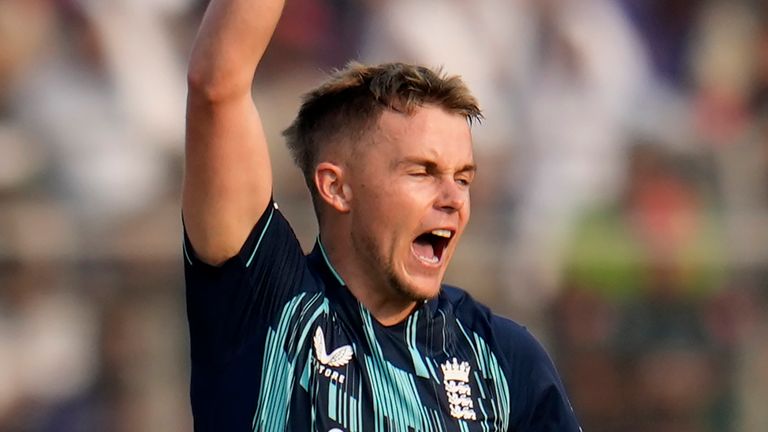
(429, 164)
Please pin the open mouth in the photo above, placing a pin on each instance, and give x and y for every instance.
(429, 247)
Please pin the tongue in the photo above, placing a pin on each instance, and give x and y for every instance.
(423, 248)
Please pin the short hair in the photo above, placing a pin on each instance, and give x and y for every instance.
(348, 105)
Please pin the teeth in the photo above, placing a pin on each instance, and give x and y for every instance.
(442, 233)
(431, 260)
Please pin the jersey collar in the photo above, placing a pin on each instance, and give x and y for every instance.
(336, 287)
(430, 325)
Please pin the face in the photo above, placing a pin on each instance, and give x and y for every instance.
(410, 189)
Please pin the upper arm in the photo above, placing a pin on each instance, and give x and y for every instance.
(538, 401)
(227, 175)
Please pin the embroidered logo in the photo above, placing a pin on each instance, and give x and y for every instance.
(337, 358)
(455, 380)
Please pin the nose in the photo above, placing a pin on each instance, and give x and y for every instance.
(452, 196)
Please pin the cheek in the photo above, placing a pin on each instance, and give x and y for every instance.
(388, 200)
(391, 210)
(373, 217)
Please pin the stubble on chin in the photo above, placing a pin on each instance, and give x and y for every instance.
(403, 289)
(366, 246)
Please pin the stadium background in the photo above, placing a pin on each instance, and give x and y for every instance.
(621, 210)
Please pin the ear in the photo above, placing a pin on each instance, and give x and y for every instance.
(332, 187)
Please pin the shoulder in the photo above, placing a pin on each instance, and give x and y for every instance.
(537, 398)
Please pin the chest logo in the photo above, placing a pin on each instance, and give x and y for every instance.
(456, 383)
(338, 357)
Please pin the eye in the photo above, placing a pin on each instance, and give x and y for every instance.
(463, 181)
(419, 171)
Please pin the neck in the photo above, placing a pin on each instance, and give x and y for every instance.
(378, 297)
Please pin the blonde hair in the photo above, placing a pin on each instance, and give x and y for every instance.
(349, 103)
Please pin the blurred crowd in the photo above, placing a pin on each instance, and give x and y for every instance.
(621, 208)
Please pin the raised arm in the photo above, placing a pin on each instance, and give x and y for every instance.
(228, 177)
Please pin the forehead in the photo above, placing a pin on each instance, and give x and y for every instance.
(429, 132)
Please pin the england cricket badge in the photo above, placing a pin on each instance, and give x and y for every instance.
(456, 383)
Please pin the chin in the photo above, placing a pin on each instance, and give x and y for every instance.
(417, 290)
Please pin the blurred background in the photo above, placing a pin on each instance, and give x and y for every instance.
(621, 210)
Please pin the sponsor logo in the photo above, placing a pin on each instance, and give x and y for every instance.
(325, 361)
(455, 381)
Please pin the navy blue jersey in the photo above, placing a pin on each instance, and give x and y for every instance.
(278, 343)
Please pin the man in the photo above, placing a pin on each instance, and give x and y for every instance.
(359, 335)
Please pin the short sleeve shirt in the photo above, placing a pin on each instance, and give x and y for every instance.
(278, 343)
